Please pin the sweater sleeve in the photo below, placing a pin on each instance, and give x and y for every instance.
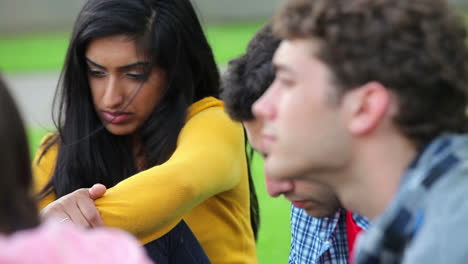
(42, 171)
(208, 160)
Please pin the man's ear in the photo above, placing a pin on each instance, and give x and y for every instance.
(366, 107)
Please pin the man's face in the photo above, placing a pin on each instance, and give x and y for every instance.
(316, 199)
(304, 133)
(253, 129)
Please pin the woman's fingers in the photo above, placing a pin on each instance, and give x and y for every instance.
(97, 191)
(78, 207)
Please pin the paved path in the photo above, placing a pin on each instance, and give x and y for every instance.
(34, 93)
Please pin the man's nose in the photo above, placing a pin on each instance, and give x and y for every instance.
(277, 187)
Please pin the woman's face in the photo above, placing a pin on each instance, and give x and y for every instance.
(122, 98)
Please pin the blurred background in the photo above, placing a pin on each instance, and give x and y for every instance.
(58, 15)
(33, 41)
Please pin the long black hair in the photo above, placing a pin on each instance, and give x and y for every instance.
(169, 34)
(17, 207)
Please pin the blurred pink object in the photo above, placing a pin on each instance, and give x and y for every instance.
(54, 243)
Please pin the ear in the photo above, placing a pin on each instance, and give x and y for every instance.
(367, 107)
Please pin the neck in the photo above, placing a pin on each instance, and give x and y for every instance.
(375, 174)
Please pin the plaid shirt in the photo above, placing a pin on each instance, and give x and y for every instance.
(320, 240)
(393, 232)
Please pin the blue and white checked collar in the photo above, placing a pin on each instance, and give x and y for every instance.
(320, 240)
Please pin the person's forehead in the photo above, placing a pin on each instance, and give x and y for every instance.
(294, 51)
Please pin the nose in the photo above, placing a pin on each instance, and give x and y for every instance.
(253, 129)
(277, 187)
(114, 95)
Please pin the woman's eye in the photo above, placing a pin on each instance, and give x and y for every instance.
(136, 76)
(96, 73)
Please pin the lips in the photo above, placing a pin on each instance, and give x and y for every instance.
(116, 117)
(268, 140)
(299, 204)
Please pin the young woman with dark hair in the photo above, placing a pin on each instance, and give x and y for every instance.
(20, 232)
(138, 112)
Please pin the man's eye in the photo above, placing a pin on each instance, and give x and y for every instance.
(285, 82)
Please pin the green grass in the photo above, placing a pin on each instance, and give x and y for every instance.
(33, 52)
(46, 51)
(230, 40)
(274, 236)
(26, 53)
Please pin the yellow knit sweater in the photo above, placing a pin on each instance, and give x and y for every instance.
(205, 182)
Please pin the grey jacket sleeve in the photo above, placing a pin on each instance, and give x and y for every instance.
(443, 236)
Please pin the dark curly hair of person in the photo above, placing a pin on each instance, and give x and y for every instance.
(415, 48)
(249, 75)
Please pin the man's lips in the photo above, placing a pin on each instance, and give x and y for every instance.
(268, 140)
(116, 117)
(299, 204)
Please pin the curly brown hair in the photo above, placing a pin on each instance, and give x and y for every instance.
(249, 75)
(415, 48)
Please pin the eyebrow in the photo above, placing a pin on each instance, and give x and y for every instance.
(282, 67)
(124, 67)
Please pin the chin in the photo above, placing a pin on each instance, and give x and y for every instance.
(319, 213)
(120, 131)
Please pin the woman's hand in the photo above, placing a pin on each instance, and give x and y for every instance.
(77, 207)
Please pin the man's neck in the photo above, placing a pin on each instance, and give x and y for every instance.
(375, 175)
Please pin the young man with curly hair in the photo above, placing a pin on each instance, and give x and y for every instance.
(370, 99)
(321, 230)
